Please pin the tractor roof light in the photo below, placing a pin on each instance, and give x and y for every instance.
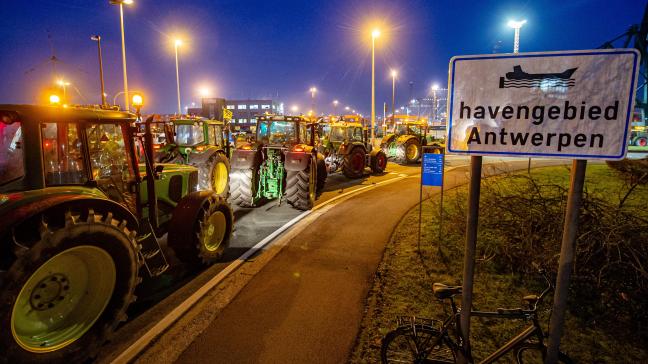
(54, 99)
(138, 100)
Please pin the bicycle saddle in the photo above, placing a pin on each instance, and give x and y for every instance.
(442, 291)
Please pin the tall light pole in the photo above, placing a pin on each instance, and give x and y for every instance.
(516, 25)
(435, 88)
(313, 90)
(177, 44)
(394, 73)
(64, 84)
(97, 38)
(374, 34)
(335, 104)
(121, 24)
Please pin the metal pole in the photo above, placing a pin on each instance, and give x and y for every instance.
(373, 87)
(567, 250)
(516, 40)
(393, 96)
(121, 22)
(101, 77)
(469, 250)
(441, 207)
(178, 78)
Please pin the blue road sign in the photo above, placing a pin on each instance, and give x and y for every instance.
(432, 174)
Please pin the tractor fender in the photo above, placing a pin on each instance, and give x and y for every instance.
(202, 157)
(388, 139)
(23, 212)
(244, 159)
(375, 151)
(186, 212)
(297, 161)
(404, 138)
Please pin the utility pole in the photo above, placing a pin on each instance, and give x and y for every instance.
(97, 38)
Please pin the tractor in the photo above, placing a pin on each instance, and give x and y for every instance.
(203, 144)
(282, 161)
(346, 147)
(403, 144)
(81, 218)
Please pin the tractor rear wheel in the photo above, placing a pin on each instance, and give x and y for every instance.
(354, 163)
(412, 150)
(243, 187)
(214, 174)
(301, 187)
(65, 295)
(201, 228)
(379, 162)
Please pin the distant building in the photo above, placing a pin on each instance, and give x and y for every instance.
(244, 112)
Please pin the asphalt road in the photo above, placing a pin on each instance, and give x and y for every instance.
(305, 305)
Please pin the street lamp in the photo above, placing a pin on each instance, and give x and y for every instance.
(54, 99)
(121, 24)
(313, 90)
(294, 109)
(435, 87)
(516, 25)
(204, 92)
(63, 85)
(394, 73)
(97, 38)
(177, 43)
(374, 34)
(335, 104)
(346, 108)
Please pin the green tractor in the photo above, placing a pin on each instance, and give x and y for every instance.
(282, 161)
(80, 221)
(404, 143)
(346, 148)
(200, 143)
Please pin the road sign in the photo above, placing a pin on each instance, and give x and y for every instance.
(227, 114)
(432, 173)
(574, 104)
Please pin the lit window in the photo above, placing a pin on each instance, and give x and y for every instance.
(230, 107)
(265, 107)
(254, 107)
(242, 107)
(252, 121)
(243, 120)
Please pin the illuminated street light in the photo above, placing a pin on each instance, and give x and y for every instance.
(54, 99)
(294, 108)
(313, 90)
(204, 92)
(335, 104)
(346, 108)
(374, 34)
(516, 25)
(435, 115)
(64, 85)
(121, 24)
(177, 43)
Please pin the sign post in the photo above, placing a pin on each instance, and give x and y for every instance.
(573, 104)
(432, 171)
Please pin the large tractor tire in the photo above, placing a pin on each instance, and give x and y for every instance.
(321, 174)
(64, 296)
(378, 162)
(641, 141)
(213, 174)
(243, 186)
(201, 228)
(354, 163)
(411, 151)
(301, 187)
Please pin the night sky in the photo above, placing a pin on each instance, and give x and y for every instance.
(261, 49)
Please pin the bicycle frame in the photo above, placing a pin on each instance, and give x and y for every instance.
(520, 339)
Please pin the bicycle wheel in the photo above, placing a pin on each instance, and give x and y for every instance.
(532, 354)
(408, 344)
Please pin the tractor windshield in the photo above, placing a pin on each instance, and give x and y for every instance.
(338, 134)
(405, 129)
(277, 132)
(11, 152)
(189, 134)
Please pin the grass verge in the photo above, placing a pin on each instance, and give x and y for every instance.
(403, 281)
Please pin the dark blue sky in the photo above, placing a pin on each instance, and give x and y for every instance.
(255, 49)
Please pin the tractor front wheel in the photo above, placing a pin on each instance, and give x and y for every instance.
(301, 187)
(412, 149)
(214, 174)
(321, 174)
(201, 228)
(379, 162)
(354, 163)
(65, 295)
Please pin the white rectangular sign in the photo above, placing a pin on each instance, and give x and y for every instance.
(573, 104)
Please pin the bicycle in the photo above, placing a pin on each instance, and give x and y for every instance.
(421, 340)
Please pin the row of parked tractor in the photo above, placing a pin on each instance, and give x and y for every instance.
(87, 195)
